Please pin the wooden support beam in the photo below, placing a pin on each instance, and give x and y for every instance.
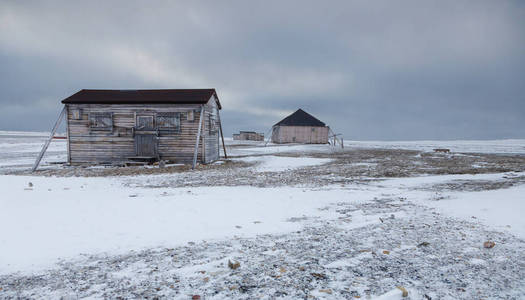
(198, 138)
(66, 107)
(222, 135)
(44, 148)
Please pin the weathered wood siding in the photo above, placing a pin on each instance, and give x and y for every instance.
(300, 134)
(91, 146)
(211, 132)
(248, 136)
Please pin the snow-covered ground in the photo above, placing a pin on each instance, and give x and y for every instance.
(150, 235)
(270, 163)
(510, 146)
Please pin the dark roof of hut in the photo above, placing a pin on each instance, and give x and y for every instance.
(171, 96)
(300, 118)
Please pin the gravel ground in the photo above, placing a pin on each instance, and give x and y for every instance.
(346, 166)
(401, 244)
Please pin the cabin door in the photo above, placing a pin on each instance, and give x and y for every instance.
(145, 136)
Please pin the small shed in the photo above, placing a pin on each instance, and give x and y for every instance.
(248, 136)
(300, 127)
(120, 126)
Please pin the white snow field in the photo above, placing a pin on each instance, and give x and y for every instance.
(356, 236)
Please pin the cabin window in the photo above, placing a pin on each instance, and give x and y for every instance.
(76, 114)
(190, 116)
(101, 121)
(169, 121)
(213, 124)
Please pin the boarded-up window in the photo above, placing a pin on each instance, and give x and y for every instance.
(76, 113)
(213, 124)
(144, 123)
(101, 121)
(169, 121)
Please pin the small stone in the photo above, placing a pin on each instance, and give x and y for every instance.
(423, 244)
(234, 265)
(328, 291)
(206, 279)
(386, 252)
(238, 227)
(318, 275)
(405, 292)
(489, 244)
(195, 297)
(282, 270)
(301, 269)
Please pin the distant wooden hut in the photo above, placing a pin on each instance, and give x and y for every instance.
(120, 126)
(248, 136)
(300, 127)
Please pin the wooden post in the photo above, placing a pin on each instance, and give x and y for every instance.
(198, 138)
(41, 154)
(67, 136)
(222, 135)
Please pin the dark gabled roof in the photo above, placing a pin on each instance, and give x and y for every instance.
(300, 118)
(172, 96)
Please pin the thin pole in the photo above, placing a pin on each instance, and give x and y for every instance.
(198, 139)
(41, 154)
(67, 136)
(222, 136)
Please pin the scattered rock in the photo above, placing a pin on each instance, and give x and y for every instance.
(489, 244)
(206, 279)
(233, 265)
(238, 227)
(318, 275)
(423, 244)
(282, 270)
(405, 292)
(328, 291)
(133, 195)
(386, 252)
(195, 297)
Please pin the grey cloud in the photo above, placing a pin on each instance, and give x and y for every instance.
(372, 70)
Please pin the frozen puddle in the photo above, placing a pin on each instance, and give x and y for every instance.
(273, 163)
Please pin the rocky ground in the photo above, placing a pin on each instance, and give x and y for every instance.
(346, 167)
(399, 244)
(364, 249)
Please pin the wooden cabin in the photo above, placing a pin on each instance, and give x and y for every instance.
(119, 126)
(248, 136)
(300, 127)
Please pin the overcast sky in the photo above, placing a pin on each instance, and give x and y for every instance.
(390, 70)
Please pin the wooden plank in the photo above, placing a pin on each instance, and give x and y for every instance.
(44, 148)
(222, 135)
(67, 135)
(198, 138)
